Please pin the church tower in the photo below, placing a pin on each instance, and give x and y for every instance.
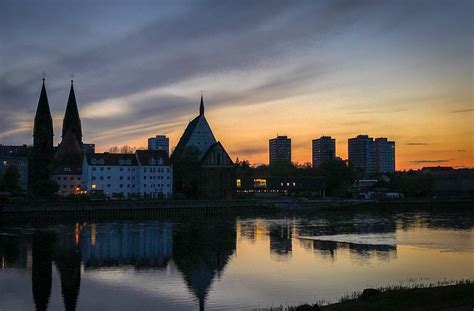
(71, 121)
(42, 139)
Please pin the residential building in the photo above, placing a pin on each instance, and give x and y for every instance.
(324, 150)
(203, 168)
(147, 173)
(384, 155)
(447, 182)
(88, 148)
(362, 155)
(279, 149)
(16, 156)
(159, 142)
(155, 174)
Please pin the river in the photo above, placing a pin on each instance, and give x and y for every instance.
(229, 263)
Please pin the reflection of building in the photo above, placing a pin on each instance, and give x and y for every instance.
(140, 245)
(41, 272)
(16, 156)
(324, 150)
(362, 155)
(67, 257)
(280, 239)
(159, 142)
(203, 168)
(200, 251)
(279, 149)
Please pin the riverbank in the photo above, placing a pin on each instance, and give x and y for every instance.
(88, 210)
(459, 296)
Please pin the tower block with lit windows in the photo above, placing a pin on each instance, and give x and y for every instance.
(202, 167)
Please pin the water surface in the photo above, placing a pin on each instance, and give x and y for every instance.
(228, 262)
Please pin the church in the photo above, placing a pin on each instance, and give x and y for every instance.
(203, 168)
(63, 164)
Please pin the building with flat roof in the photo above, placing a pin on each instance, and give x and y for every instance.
(323, 150)
(159, 142)
(279, 149)
(384, 155)
(362, 155)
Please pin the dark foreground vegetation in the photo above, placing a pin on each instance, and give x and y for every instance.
(459, 296)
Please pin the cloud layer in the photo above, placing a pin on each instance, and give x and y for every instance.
(306, 68)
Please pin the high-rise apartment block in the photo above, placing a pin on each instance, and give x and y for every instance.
(280, 149)
(324, 150)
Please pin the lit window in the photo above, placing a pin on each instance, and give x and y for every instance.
(238, 183)
(94, 186)
(260, 183)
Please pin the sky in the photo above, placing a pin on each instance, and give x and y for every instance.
(396, 69)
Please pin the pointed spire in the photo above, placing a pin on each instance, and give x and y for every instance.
(43, 105)
(42, 138)
(72, 122)
(201, 106)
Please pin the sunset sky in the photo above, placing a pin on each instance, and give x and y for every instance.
(396, 69)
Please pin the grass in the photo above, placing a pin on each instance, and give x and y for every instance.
(445, 295)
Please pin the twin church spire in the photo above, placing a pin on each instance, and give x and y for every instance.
(44, 156)
(72, 122)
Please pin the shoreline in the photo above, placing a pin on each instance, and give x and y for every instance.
(54, 211)
(457, 296)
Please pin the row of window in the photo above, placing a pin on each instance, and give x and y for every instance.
(71, 178)
(121, 177)
(133, 186)
(151, 170)
(121, 161)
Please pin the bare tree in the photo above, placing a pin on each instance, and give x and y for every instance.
(125, 149)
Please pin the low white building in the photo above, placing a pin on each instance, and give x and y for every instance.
(147, 173)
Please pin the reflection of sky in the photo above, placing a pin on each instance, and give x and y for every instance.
(303, 68)
(256, 274)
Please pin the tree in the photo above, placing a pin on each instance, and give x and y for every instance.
(45, 188)
(11, 179)
(125, 149)
(339, 176)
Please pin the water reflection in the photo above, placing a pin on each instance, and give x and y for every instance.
(200, 250)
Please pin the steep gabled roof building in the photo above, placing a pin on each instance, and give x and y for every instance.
(197, 135)
(202, 166)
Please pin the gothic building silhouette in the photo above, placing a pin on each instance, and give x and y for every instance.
(203, 168)
(55, 163)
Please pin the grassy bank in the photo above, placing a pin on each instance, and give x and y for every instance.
(459, 296)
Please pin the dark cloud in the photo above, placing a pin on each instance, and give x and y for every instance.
(417, 144)
(430, 161)
(128, 48)
(462, 111)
